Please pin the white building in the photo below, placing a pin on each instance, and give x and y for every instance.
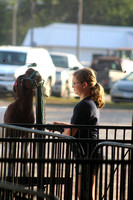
(94, 39)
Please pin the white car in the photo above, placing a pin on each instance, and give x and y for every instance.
(65, 64)
(15, 60)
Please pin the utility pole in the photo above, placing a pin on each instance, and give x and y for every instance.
(14, 25)
(32, 23)
(33, 6)
(80, 11)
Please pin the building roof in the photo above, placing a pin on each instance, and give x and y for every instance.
(91, 36)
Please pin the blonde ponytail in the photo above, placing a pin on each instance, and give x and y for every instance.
(97, 95)
(96, 90)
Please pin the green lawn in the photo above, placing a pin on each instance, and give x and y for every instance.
(72, 102)
(61, 101)
(112, 105)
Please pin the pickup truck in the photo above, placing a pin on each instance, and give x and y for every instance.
(15, 60)
(65, 64)
(111, 69)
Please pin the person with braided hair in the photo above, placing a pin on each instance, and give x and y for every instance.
(86, 112)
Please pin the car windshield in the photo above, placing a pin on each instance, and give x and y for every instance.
(107, 65)
(129, 77)
(12, 58)
(60, 61)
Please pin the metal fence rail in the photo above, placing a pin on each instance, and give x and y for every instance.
(16, 191)
(50, 162)
(114, 180)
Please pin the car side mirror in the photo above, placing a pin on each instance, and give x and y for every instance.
(75, 68)
(33, 65)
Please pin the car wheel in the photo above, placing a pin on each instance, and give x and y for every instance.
(115, 101)
(48, 88)
(66, 93)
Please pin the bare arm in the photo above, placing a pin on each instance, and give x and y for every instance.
(67, 131)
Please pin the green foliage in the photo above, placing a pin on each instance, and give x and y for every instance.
(5, 25)
(108, 12)
(102, 12)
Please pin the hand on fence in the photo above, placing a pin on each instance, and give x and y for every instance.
(52, 128)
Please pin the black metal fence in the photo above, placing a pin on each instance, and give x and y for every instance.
(55, 165)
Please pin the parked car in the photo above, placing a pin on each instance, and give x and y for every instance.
(65, 64)
(14, 61)
(109, 70)
(122, 90)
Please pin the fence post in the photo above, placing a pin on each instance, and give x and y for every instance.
(39, 105)
(40, 153)
(130, 192)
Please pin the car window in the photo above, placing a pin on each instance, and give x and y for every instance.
(115, 66)
(129, 77)
(107, 65)
(60, 61)
(12, 58)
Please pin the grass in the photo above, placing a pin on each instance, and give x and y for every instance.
(61, 101)
(49, 100)
(72, 102)
(122, 105)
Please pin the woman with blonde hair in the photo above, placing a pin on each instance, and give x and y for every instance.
(86, 112)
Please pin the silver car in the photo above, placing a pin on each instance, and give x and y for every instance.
(122, 90)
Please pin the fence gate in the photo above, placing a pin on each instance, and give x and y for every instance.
(48, 165)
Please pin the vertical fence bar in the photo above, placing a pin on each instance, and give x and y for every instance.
(130, 193)
(40, 148)
(39, 105)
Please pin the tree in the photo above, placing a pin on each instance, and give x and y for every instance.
(5, 25)
(108, 12)
(103, 12)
